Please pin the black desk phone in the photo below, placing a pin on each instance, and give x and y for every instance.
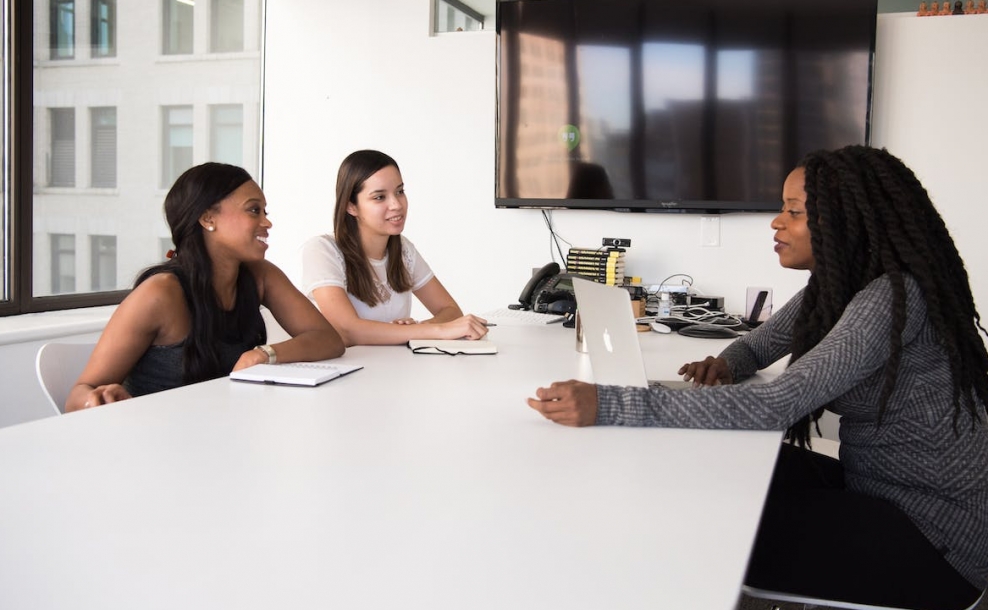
(549, 291)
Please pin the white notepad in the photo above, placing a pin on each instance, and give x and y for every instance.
(294, 373)
(451, 347)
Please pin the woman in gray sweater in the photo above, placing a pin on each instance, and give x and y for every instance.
(885, 334)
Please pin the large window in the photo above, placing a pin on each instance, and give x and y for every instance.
(98, 143)
(103, 36)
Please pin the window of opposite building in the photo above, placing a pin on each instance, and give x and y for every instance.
(107, 117)
(226, 29)
(227, 133)
(177, 138)
(103, 123)
(62, 161)
(178, 27)
(103, 35)
(103, 262)
(62, 29)
(62, 263)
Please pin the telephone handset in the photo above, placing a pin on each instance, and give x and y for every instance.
(539, 278)
(549, 291)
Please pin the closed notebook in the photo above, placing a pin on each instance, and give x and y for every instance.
(451, 347)
(294, 373)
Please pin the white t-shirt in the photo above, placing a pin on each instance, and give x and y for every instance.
(322, 265)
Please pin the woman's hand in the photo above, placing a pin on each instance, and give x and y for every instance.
(466, 327)
(405, 321)
(250, 358)
(709, 371)
(571, 403)
(105, 394)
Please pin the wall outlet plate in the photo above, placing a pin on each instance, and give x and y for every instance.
(616, 242)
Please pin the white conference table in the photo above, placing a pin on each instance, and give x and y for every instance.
(421, 481)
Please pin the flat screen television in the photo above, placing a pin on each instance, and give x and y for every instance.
(674, 106)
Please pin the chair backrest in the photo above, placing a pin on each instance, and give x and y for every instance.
(58, 366)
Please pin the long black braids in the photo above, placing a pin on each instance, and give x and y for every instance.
(869, 216)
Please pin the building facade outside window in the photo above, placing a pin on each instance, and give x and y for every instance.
(109, 133)
(103, 143)
(103, 34)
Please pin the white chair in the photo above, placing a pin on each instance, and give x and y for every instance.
(809, 602)
(58, 365)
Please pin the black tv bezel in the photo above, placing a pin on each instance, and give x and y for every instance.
(702, 207)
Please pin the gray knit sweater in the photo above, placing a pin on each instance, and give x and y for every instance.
(913, 459)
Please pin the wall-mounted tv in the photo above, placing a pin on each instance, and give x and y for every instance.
(674, 106)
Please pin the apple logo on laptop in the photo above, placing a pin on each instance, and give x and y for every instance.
(607, 341)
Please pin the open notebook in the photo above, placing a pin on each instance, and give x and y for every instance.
(294, 373)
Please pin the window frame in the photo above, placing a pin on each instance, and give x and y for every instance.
(20, 142)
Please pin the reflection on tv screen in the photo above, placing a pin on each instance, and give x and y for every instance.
(645, 104)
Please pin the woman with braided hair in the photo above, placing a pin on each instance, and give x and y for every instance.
(886, 335)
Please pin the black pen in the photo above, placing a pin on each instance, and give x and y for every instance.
(489, 324)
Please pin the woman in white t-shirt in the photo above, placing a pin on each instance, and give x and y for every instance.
(362, 277)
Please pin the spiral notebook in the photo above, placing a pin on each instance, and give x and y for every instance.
(294, 373)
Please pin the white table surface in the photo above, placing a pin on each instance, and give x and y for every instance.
(421, 481)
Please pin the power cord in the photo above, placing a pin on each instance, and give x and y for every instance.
(554, 238)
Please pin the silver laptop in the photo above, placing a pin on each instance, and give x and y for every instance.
(612, 339)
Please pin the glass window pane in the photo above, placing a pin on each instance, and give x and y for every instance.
(177, 137)
(103, 262)
(62, 29)
(103, 38)
(178, 27)
(104, 147)
(111, 137)
(62, 147)
(62, 264)
(227, 134)
(226, 26)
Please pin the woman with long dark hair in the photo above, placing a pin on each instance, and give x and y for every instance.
(886, 335)
(363, 276)
(196, 316)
